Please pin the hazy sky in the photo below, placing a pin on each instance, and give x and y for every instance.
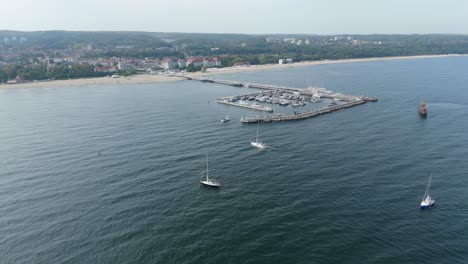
(239, 16)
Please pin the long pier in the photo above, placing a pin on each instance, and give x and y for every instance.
(299, 116)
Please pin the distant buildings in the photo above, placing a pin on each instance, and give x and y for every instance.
(203, 62)
(285, 61)
(196, 62)
(211, 62)
(168, 64)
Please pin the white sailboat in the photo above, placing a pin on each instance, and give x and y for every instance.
(207, 181)
(427, 200)
(257, 143)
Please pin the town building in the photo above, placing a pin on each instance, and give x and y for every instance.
(211, 62)
(169, 64)
(182, 63)
(196, 62)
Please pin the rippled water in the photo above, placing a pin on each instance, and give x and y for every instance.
(340, 188)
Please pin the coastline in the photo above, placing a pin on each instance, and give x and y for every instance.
(147, 78)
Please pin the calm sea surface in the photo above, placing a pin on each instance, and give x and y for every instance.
(340, 188)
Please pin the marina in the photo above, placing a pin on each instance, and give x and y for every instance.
(285, 96)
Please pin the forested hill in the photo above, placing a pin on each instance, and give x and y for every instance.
(192, 44)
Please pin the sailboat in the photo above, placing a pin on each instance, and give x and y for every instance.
(427, 200)
(226, 119)
(207, 181)
(257, 143)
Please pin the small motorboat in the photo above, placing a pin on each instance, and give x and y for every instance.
(422, 110)
(226, 119)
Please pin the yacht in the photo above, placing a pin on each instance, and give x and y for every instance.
(257, 143)
(427, 200)
(208, 182)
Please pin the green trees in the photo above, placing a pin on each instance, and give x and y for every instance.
(11, 70)
(33, 73)
(191, 68)
(40, 72)
(3, 76)
(73, 71)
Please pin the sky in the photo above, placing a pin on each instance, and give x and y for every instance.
(239, 16)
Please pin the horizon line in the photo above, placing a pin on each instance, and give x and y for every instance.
(228, 33)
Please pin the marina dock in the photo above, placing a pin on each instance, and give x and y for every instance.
(258, 108)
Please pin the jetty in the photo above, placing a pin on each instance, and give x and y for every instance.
(283, 95)
(301, 115)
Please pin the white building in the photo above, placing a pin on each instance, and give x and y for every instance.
(182, 63)
(211, 62)
(168, 64)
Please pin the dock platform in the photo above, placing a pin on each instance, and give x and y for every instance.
(258, 108)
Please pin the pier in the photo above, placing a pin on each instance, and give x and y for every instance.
(299, 116)
(289, 94)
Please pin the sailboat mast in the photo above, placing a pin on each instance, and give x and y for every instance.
(427, 188)
(429, 184)
(206, 166)
(258, 124)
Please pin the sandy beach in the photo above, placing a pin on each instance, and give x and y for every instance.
(147, 78)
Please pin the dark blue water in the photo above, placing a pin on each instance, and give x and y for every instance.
(340, 188)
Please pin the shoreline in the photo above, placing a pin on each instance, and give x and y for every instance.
(147, 78)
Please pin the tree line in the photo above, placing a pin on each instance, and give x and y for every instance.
(41, 72)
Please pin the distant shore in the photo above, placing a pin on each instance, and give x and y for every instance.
(147, 78)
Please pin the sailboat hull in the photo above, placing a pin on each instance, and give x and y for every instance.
(212, 184)
(425, 205)
(258, 145)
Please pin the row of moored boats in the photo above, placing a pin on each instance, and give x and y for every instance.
(280, 98)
